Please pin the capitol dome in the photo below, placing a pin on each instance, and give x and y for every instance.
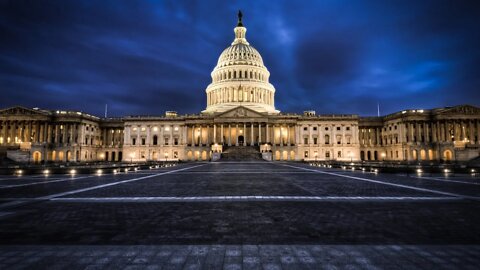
(240, 78)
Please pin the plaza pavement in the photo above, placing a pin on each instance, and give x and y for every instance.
(240, 215)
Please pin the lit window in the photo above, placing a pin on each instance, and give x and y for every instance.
(134, 129)
(167, 128)
(143, 128)
(176, 128)
(155, 129)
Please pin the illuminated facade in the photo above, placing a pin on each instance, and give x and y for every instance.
(241, 112)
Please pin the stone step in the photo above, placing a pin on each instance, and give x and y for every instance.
(18, 155)
(241, 153)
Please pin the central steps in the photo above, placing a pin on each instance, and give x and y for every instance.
(237, 153)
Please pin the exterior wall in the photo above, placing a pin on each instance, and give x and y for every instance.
(446, 134)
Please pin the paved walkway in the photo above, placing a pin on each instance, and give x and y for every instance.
(240, 257)
(240, 216)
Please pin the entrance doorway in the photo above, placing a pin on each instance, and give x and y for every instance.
(240, 140)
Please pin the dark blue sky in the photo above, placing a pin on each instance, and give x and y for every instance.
(145, 57)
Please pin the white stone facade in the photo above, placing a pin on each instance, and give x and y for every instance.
(241, 111)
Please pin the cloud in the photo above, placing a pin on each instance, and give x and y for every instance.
(145, 57)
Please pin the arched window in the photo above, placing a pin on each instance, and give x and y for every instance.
(155, 140)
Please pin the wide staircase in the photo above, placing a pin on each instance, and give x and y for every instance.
(241, 153)
(20, 156)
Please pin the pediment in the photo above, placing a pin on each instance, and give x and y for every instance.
(239, 112)
(462, 110)
(19, 110)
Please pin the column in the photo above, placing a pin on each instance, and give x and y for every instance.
(229, 135)
(56, 134)
(28, 132)
(236, 135)
(281, 136)
(259, 133)
(193, 135)
(65, 133)
(214, 133)
(268, 134)
(72, 133)
(221, 134)
(245, 133)
(40, 134)
(471, 131)
(252, 143)
(426, 132)
(289, 130)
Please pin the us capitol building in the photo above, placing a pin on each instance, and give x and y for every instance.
(240, 114)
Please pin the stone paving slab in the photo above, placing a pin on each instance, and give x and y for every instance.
(414, 180)
(241, 257)
(341, 222)
(250, 185)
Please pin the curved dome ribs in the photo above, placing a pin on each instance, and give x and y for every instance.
(240, 79)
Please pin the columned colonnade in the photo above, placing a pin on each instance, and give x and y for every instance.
(231, 134)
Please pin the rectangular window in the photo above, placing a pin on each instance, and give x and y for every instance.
(175, 141)
(166, 141)
(315, 128)
(305, 128)
(348, 128)
(339, 154)
(314, 140)
(306, 154)
(143, 141)
(327, 154)
(142, 154)
(175, 154)
(305, 140)
(338, 128)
